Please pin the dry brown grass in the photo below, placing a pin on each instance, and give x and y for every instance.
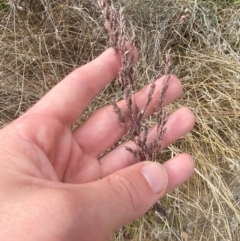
(42, 41)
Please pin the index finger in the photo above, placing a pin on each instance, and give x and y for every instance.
(67, 100)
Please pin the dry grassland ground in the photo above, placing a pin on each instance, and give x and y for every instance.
(42, 41)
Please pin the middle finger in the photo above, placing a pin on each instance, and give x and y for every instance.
(103, 128)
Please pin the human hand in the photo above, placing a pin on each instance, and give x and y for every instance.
(54, 187)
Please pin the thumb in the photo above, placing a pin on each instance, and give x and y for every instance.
(124, 196)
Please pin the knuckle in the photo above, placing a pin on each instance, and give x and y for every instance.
(127, 190)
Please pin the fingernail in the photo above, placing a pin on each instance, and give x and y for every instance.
(156, 176)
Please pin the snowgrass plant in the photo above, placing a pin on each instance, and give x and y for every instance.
(42, 41)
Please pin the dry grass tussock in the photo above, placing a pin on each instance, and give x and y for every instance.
(42, 41)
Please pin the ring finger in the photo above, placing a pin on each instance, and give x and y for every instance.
(178, 124)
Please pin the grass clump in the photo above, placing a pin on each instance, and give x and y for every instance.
(42, 41)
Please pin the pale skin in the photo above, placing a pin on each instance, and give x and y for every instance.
(54, 186)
